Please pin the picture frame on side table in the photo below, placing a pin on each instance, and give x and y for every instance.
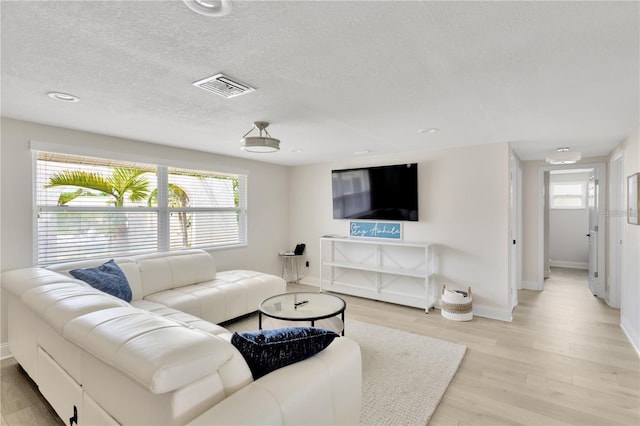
(633, 199)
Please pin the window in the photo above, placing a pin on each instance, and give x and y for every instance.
(351, 193)
(89, 208)
(568, 195)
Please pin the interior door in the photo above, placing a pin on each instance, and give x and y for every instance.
(592, 196)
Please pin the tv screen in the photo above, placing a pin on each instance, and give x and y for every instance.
(379, 193)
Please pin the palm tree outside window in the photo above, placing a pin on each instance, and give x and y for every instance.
(90, 208)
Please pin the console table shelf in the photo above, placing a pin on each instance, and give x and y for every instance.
(406, 272)
(390, 271)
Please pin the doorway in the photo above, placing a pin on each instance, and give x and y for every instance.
(515, 229)
(589, 235)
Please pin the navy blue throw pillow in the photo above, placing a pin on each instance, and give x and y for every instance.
(268, 350)
(107, 277)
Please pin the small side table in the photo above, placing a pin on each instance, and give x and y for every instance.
(290, 264)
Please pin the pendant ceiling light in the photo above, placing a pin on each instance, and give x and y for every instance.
(209, 7)
(261, 143)
(563, 156)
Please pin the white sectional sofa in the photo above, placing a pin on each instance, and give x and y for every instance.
(162, 359)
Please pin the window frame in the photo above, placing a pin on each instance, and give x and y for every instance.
(162, 210)
(582, 196)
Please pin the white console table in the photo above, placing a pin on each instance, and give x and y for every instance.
(391, 271)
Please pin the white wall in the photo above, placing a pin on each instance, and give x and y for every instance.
(267, 197)
(530, 222)
(464, 209)
(568, 244)
(630, 288)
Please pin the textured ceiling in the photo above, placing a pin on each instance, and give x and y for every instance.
(332, 77)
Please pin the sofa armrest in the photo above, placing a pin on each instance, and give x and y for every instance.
(323, 389)
(20, 281)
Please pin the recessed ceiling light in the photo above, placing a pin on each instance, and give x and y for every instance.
(431, 130)
(296, 150)
(209, 7)
(563, 149)
(63, 97)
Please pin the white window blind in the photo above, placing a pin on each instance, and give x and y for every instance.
(205, 208)
(568, 195)
(90, 208)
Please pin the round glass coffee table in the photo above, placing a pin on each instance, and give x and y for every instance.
(304, 306)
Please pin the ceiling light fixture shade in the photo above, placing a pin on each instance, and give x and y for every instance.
(563, 156)
(209, 7)
(261, 143)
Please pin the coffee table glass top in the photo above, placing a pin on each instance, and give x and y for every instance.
(302, 306)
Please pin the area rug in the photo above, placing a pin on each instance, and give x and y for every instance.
(404, 375)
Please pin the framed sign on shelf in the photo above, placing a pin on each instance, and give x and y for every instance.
(384, 230)
(633, 199)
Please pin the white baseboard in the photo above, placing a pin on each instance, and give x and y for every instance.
(5, 352)
(478, 310)
(531, 285)
(566, 264)
(631, 340)
(492, 313)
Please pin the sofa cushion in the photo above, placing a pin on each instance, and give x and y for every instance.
(168, 270)
(127, 264)
(59, 303)
(231, 294)
(268, 350)
(107, 277)
(188, 320)
(253, 286)
(160, 354)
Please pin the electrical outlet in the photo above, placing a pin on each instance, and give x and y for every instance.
(307, 264)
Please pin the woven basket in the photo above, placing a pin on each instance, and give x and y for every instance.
(456, 306)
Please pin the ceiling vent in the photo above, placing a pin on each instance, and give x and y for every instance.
(224, 86)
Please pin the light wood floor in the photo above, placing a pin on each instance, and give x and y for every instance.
(563, 360)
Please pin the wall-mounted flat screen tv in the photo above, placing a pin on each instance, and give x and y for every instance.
(377, 193)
